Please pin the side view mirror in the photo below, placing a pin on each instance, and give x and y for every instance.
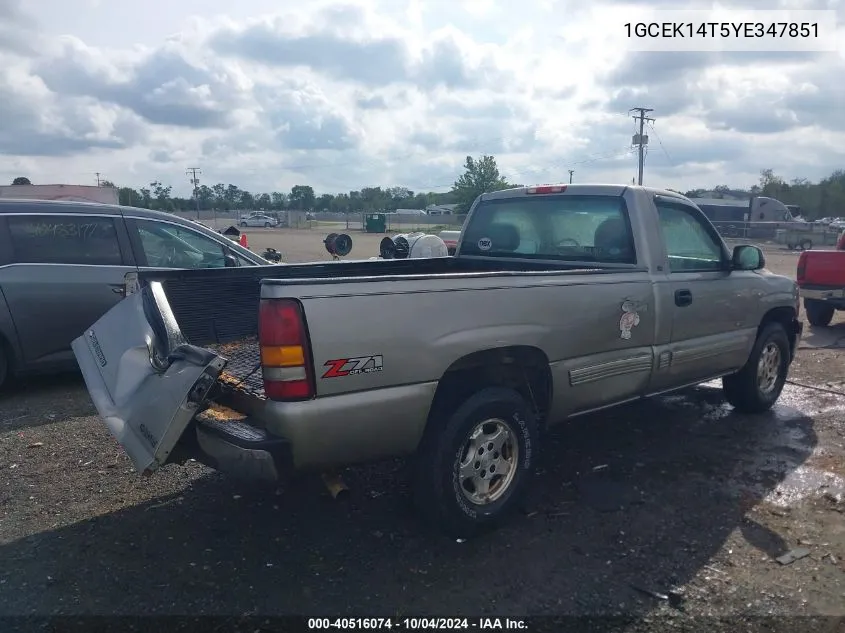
(747, 257)
(230, 260)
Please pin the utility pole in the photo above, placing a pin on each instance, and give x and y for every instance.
(192, 172)
(98, 178)
(571, 171)
(639, 139)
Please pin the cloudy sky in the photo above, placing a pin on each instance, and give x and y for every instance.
(271, 93)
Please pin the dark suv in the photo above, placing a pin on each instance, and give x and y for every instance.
(65, 264)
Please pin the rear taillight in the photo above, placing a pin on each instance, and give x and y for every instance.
(801, 270)
(285, 358)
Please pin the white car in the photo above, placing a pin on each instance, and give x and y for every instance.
(259, 220)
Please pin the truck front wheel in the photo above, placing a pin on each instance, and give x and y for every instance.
(819, 314)
(756, 387)
(473, 472)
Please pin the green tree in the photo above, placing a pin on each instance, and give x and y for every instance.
(264, 201)
(278, 200)
(21, 180)
(324, 202)
(128, 197)
(480, 176)
(373, 198)
(146, 198)
(340, 203)
(232, 196)
(302, 197)
(218, 192)
(161, 193)
(206, 197)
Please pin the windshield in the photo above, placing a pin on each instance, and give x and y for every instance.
(563, 227)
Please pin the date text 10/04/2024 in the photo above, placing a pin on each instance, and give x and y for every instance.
(722, 30)
(417, 624)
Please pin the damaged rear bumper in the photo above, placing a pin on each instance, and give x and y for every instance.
(237, 448)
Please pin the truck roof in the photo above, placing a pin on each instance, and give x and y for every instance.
(581, 189)
(33, 205)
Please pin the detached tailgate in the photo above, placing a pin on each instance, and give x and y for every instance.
(822, 268)
(146, 381)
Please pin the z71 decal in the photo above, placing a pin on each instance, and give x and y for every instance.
(341, 367)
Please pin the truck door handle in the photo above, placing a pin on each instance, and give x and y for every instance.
(683, 298)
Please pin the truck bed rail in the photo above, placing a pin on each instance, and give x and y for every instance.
(218, 308)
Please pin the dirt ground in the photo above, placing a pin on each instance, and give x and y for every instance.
(670, 513)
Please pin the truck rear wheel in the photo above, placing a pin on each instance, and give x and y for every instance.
(756, 387)
(474, 472)
(819, 314)
(4, 365)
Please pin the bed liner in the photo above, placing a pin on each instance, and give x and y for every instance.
(243, 367)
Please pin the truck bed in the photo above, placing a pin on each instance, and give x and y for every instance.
(243, 369)
(822, 269)
(218, 308)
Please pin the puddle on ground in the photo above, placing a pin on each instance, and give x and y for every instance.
(791, 442)
(803, 483)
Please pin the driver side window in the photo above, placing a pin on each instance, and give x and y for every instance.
(172, 246)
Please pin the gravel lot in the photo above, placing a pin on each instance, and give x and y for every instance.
(678, 494)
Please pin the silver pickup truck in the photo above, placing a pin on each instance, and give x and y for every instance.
(561, 300)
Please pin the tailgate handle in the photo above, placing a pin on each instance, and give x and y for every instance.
(683, 298)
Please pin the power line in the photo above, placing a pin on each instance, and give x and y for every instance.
(660, 142)
(640, 140)
(192, 172)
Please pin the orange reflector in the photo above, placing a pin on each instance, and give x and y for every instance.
(285, 356)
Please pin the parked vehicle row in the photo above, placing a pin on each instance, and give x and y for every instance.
(65, 264)
(561, 300)
(259, 219)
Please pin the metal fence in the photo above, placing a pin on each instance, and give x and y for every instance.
(779, 235)
(395, 222)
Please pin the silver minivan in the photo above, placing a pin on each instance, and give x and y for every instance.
(65, 264)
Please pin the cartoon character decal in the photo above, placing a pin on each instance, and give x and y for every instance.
(630, 318)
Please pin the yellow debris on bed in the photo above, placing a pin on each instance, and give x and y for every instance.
(220, 413)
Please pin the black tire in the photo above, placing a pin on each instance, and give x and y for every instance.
(819, 314)
(806, 245)
(742, 390)
(4, 365)
(243, 223)
(438, 490)
(266, 225)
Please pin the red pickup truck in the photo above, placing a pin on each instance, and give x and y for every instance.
(821, 282)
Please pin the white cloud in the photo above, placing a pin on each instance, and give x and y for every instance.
(345, 95)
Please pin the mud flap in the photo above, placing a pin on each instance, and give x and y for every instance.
(147, 382)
